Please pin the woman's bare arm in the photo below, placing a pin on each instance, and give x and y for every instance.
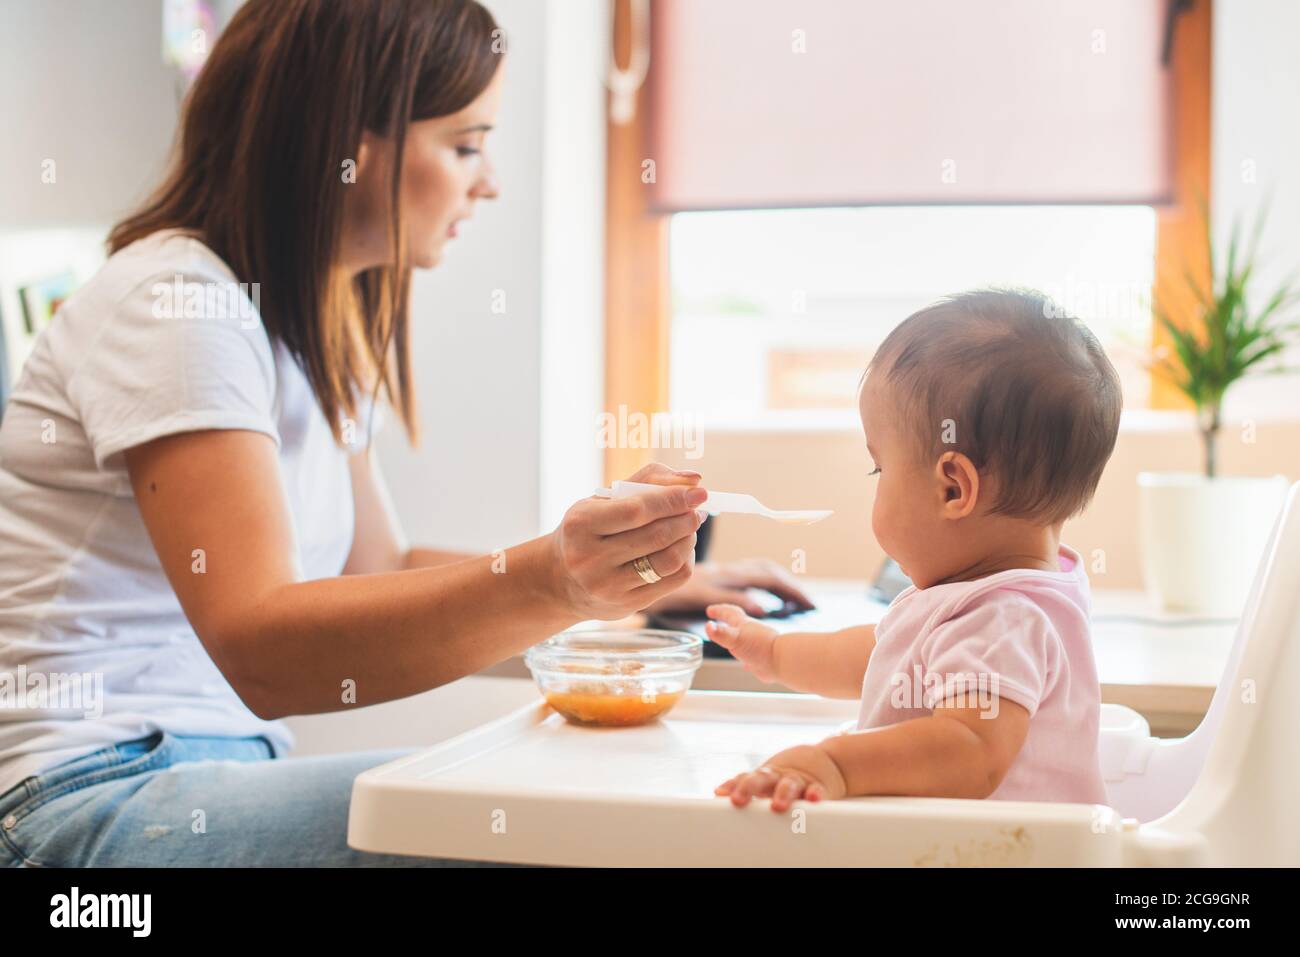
(214, 505)
(378, 542)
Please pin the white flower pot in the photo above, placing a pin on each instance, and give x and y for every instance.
(1202, 538)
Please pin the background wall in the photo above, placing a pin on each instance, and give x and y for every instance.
(1256, 160)
(83, 83)
(509, 398)
(82, 86)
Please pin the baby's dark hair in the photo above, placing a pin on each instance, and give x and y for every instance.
(1009, 380)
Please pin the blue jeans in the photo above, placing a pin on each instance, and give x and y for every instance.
(168, 800)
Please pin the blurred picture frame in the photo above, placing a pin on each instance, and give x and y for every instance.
(25, 310)
(41, 300)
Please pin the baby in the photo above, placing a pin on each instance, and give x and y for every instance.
(989, 418)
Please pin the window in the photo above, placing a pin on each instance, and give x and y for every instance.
(775, 312)
(797, 178)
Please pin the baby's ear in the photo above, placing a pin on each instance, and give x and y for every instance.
(959, 484)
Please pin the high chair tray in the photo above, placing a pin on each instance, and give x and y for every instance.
(532, 788)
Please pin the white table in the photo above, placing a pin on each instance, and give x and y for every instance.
(1163, 665)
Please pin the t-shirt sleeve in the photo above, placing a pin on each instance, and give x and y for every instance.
(178, 353)
(1000, 644)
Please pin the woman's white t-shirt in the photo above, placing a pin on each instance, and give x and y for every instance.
(94, 647)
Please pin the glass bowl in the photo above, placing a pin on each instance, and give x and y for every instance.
(615, 678)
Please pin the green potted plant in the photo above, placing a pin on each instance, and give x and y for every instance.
(1203, 533)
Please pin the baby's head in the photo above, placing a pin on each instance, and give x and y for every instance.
(990, 416)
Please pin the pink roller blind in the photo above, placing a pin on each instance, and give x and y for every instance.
(908, 101)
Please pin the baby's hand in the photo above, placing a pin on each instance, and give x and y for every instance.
(752, 644)
(804, 772)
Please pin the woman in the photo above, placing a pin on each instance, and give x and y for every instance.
(194, 540)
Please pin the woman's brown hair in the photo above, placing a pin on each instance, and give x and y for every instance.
(266, 137)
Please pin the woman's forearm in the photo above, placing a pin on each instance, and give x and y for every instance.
(831, 664)
(216, 511)
(432, 557)
(335, 643)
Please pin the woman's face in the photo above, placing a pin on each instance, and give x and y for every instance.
(445, 169)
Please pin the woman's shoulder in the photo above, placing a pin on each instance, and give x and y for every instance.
(164, 309)
(145, 286)
(167, 254)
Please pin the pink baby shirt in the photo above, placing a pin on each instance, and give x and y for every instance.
(1020, 635)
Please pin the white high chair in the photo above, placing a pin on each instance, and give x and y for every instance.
(1223, 795)
(1226, 793)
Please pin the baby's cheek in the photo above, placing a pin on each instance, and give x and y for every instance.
(889, 522)
(879, 521)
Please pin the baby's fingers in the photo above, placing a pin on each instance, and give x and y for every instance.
(722, 633)
(788, 790)
(755, 784)
(727, 786)
(727, 614)
(725, 626)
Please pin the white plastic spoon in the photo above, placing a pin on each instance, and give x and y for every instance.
(725, 502)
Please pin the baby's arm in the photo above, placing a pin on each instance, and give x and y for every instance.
(830, 664)
(957, 752)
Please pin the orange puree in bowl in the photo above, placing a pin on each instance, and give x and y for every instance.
(611, 710)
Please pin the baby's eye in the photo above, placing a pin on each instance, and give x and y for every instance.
(875, 471)
(467, 151)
